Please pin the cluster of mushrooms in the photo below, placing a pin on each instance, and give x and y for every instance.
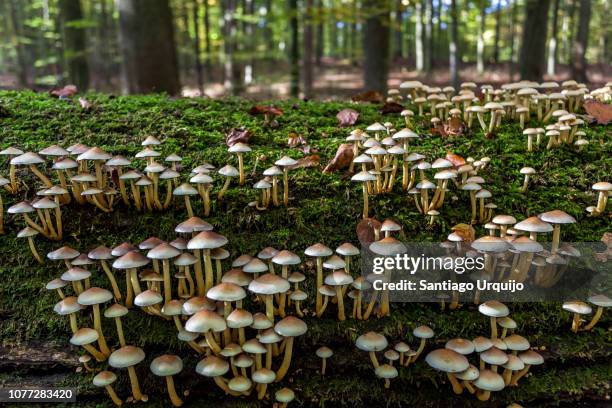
(509, 351)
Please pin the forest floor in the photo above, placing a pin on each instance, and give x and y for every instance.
(325, 208)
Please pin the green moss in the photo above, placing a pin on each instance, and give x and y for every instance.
(324, 208)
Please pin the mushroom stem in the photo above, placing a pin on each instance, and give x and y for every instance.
(212, 343)
(280, 374)
(373, 359)
(483, 395)
(167, 282)
(370, 307)
(168, 198)
(525, 184)
(493, 328)
(519, 374)
(34, 251)
(473, 204)
(457, 387)
(120, 331)
(94, 352)
(176, 401)
(138, 396)
(365, 201)
(208, 270)
(188, 206)
(129, 295)
(136, 194)
(224, 188)
(111, 279)
(13, 179)
(602, 201)
(122, 190)
(269, 307)
(286, 186)
(419, 351)
(34, 225)
(134, 281)
(241, 168)
(98, 326)
(556, 238)
(319, 299)
(595, 319)
(41, 176)
(323, 365)
(576, 323)
(339, 297)
(111, 393)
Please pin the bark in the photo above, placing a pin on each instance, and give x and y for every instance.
(453, 50)
(22, 70)
(533, 49)
(207, 45)
(399, 40)
(579, 63)
(512, 30)
(552, 42)
(104, 34)
(497, 31)
(196, 46)
(320, 34)
(232, 73)
(418, 36)
(307, 62)
(480, 44)
(147, 45)
(249, 30)
(428, 35)
(376, 45)
(75, 46)
(294, 53)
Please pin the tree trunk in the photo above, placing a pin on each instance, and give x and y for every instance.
(376, 45)
(480, 44)
(320, 35)
(249, 30)
(533, 48)
(552, 42)
(307, 62)
(453, 50)
(104, 41)
(511, 66)
(428, 34)
(497, 31)
(207, 45)
(294, 52)
(232, 73)
(147, 45)
(418, 35)
(399, 41)
(75, 45)
(22, 70)
(579, 63)
(196, 46)
(438, 43)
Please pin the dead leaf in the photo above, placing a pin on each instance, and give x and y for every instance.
(438, 129)
(457, 160)
(602, 112)
(65, 92)
(237, 136)
(607, 239)
(454, 127)
(365, 230)
(342, 159)
(369, 96)
(309, 161)
(347, 117)
(298, 141)
(467, 232)
(265, 110)
(391, 107)
(85, 104)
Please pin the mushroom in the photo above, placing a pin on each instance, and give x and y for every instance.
(265, 187)
(207, 322)
(166, 366)
(228, 293)
(116, 311)
(263, 377)
(267, 286)
(324, 353)
(75, 276)
(601, 301)
(203, 182)
(488, 381)
(386, 247)
(94, 297)
(423, 333)
(450, 362)
(228, 172)
(514, 364)
(186, 190)
(169, 176)
(206, 241)
(284, 396)
(118, 162)
(290, 327)
(165, 252)
(128, 357)
(493, 309)
(556, 217)
(84, 337)
(577, 308)
(527, 172)
(31, 160)
(285, 163)
(106, 379)
(103, 254)
(339, 280)
(529, 358)
(215, 367)
(130, 262)
(372, 342)
(69, 306)
(12, 152)
(603, 188)
(30, 233)
(240, 149)
(318, 251)
(364, 177)
(57, 285)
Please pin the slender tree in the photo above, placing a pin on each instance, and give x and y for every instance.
(418, 35)
(196, 46)
(428, 35)
(498, 24)
(579, 64)
(307, 58)
(320, 34)
(232, 73)
(512, 4)
(147, 45)
(552, 42)
(75, 45)
(207, 43)
(22, 70)
(453, 50)
(533, 49)
(376, 45)
(480, 44)
(294, 52)
(397, 30)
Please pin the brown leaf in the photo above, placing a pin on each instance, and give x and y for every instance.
(237, 136)
(65, 92)
(309, 161)
(369, 96)
(602, 112)
(465, 231)
(347, 117)
(365, 230)
(265, 110)
(457, 160)
(342, 159)
(391, 107)
(438, 129)
(296, 140)
(607, 239)
(85, 104)
(454, 127)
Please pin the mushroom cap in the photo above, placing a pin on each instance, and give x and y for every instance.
(489, 381)
(514, 363)
(494, 356)
(239, 148)
(490, 244)
(201, 178)
(507, 322)
(197, 303)
(481, 344)
(284, 395)
(469, 374)
(115, 310)
(104, 378)
(272, 171)
(95, 153)
(557, 217)
(447, 360)
(267, 253)
(148, 298)
(338, 278)
(94, 296)
(173, 308)
(84, 336)
(100, 253)
(286, 257)
(269, 336)
(386, 371)
(324, 352)
(261, 322)
(285, 161)
(531, 357)
(163, 251)
(347, 249)
(576, 306)
(166, 365)
(212, 366)
(255, 265)
(62, 253)
(241, 260)
(132, 259)
(504, 220)
(533, 224)
(185, 259)
(528, 170)
(423, 332)
(290, 326)
(493, 308)
(27, 232)
(205, 320)
(602, 186)
(243, 361)
(231, 350)
(54, 150)
(253, 346)
(363, 176)
(27, 159)
(371, 341)
(516, 342)
(237, 277)
(207, 240)
(226, 292)
(391, 355)
(264, 376)
(269, 284)
(218, 253)
(600, 300)
(298, 295)
(75, 274)
(326, 290)
(20, 208)
(67, 306)
(57, 283)
(334, 262)
(150, 141)
(461, 346)
(193, 224)
(318, 250)
(184, 189)
(11, 151)
(239, 384)
(388, 246)
(296, 277)
(525, 244)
